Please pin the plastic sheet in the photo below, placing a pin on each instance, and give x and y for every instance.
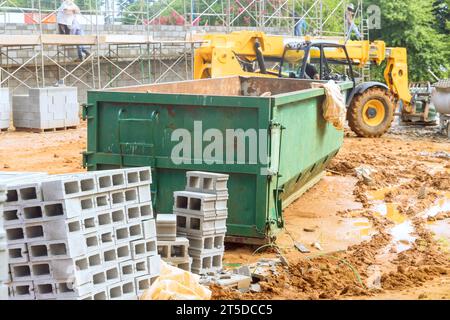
(176, 284)
(334, 105)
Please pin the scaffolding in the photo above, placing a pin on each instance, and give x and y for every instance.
(132, 42)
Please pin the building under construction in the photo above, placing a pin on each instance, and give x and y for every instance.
(140, 43)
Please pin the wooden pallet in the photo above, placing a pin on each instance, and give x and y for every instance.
(36, 130)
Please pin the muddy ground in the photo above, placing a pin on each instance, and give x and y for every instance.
(383, 235)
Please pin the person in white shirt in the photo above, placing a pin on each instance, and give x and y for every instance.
(65, 15)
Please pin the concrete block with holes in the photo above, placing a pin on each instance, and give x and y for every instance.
(4, 268)
(206, 244)
(138, 176)
(84, 236)
(195, 225)
(207, 182)
(183, 265)
(69, 186)
(204, 263)
(139, 212)
(143, 283)
(201, 215)
(174, 252)
(194, 203)
(22, 290)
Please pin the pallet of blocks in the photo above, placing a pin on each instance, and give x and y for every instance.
(5, 109)
(86, 236)
(4, 276)
(46, 109)
(171, 248)
(5, 179)
(201, 212)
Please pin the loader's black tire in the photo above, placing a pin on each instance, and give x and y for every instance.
(370, 113)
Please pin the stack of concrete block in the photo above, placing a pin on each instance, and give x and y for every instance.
(83, 236)
(4, 274)
(5, 179)
(5, 109)
(172, 249)
(202, 214)
(46, 108)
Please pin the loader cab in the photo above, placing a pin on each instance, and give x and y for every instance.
(302, 60)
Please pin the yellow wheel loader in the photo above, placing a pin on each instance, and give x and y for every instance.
(370, 105)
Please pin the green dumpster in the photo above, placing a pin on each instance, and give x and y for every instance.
(269, 135)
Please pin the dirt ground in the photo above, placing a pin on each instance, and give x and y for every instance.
(385, 235)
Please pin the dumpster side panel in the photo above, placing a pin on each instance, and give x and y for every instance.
(308, 143)
(137, 130)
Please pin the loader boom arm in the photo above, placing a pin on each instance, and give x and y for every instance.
(224, 55)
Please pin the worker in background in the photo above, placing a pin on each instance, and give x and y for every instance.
(77, 30)
(350, 25)
(300, 25)
(65, 15)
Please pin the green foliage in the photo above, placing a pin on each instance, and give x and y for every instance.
(442, 13)
(409, 23)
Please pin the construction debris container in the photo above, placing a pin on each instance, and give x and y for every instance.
(207, 125)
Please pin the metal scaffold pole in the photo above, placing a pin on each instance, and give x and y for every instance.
(145, 34)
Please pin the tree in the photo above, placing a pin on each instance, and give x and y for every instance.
(442, 13)
(409, 23)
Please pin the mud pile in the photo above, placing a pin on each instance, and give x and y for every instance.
(403, 178)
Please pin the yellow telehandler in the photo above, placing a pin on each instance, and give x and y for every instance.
(370, 105)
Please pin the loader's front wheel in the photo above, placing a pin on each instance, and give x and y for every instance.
(371, 113)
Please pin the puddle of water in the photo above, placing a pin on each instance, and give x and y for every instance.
(390, 211)
(401, 235)
(362, 224)
(441, 228)
(401, 232)
(441, 205)
(378, 194)
(357, 228)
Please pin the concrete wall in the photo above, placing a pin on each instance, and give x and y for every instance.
(51, 77)
(158, 32)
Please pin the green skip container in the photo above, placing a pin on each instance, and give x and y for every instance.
(268, 134)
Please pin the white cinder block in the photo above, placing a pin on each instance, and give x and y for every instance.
(207, 182)
(69, 291)
(195, 203)
(109, 180)
(22, 290)
(142, 283)
(69, 186)
(138, 176)
(139, 212)
(72, 247)
(44, 289)
(83, 236)
(123, 252)
(17, 253)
